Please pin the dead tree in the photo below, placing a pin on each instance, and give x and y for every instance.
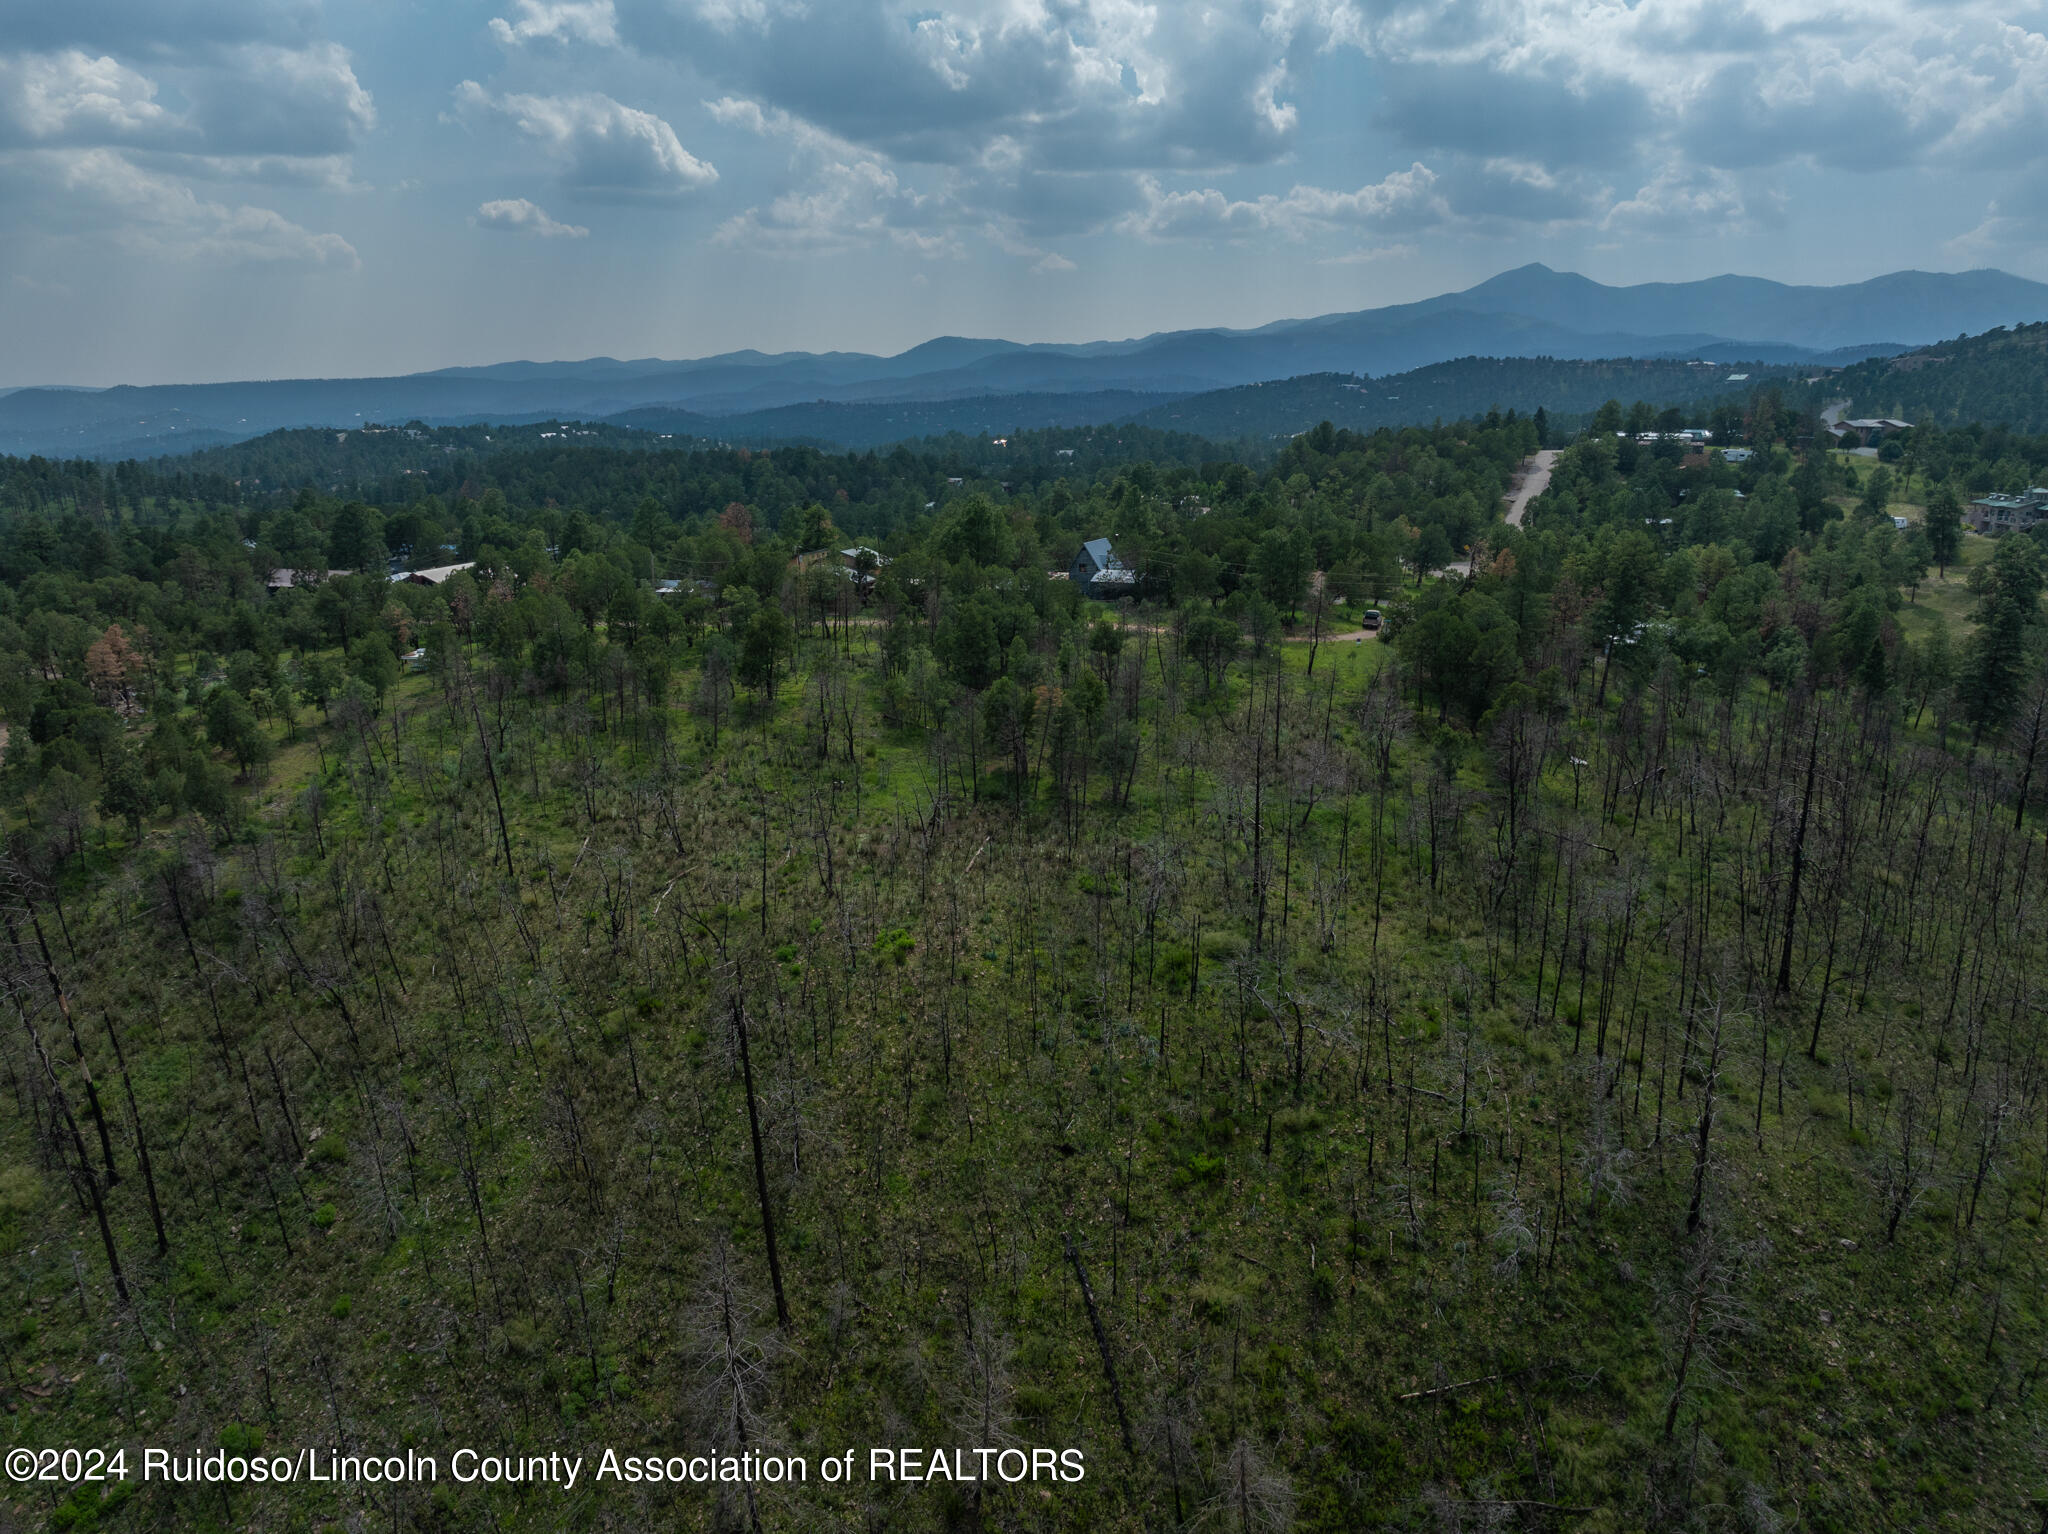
(1704, 1138)
(1709, 1305)
(733, 1356)
(1116, 1393)
(738, 1011)
(1255, 1495)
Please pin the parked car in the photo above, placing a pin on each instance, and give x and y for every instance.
(1371, 621)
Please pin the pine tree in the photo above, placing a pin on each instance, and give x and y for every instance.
(1944, 525)
(2007, 618)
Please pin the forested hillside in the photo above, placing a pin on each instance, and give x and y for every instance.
(1447, 391)
(1531, 1068)
(861, 425)
(1999, 378)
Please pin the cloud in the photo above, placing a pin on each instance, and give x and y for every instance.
(1050, 205)
(1510, 193)
(110, 110)
(1366, 254)
(2014, 228)
(846, 198)
(101, 192)
(773, 122)
(849, 205)
(588, 21)
(603, 147)
(1586, 82)
(523, 217)
(1091, 84)
(1683, 201)
(258, 100)
(1484, 111)
(325, 173)
(1406, 199)
(155, 28)
(72, 97)
(1051, 261)
(252, 99)
(282, 101)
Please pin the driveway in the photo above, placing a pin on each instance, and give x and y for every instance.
(1533, 480)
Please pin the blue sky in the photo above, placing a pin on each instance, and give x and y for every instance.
(243, 188)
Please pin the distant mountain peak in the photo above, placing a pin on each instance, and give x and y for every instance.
(1528, 311)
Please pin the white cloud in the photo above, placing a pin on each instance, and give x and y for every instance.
(325, 173)
(254, 99)
(1366, 254)
(1731, 85)
(773, 122)
(849, 198)
(1051, 261)
(523, 217)
(264, 99)
(104, 192)
(604, 147)
(114, 114)
(2013, 231)
(1405, 199)
(851, 204)
(1049, 113)
(1065, 84)
(71, 97)
(1682, 201)
(588, 21)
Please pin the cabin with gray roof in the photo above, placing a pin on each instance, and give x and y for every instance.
(1098, 571)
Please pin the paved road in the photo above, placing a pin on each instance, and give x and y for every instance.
(1534, 481)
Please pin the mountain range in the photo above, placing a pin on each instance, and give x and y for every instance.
(1530, 312)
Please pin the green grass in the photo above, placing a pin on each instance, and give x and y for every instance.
(1948, 596)
(959, 1065)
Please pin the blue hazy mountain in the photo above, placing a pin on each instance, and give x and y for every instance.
(1531, 311)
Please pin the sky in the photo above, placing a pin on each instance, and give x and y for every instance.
(195, 190)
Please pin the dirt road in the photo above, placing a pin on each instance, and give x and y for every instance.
(1533, 481)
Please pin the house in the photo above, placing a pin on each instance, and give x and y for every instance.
(1873, 429)
(1098, 569)
(1736, 454)
(1995, 514)
(434, 576)
(282, 580)
(859, 565)
(668, 588)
